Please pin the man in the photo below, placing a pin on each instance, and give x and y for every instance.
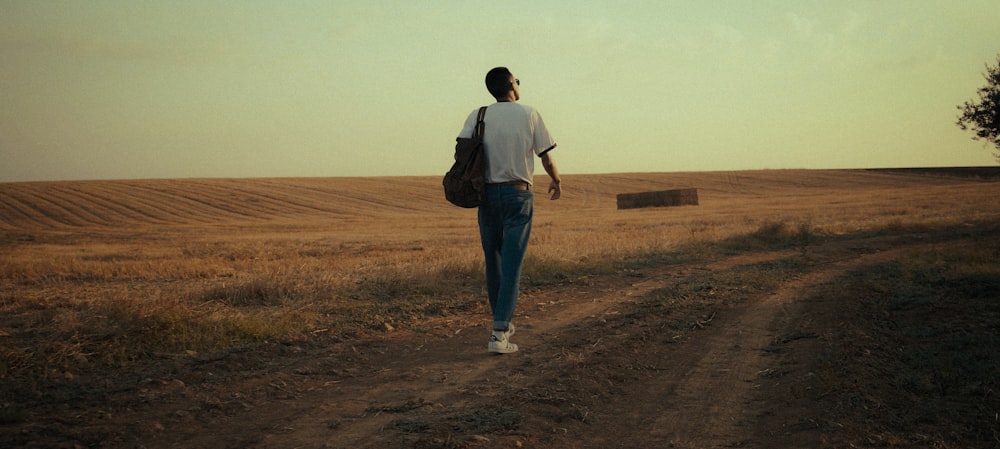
(514, 134)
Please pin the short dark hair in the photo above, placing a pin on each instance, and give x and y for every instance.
(498, 81)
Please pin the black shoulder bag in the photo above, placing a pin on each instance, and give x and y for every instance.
(465, 183)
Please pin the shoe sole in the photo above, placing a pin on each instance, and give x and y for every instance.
(503, 350)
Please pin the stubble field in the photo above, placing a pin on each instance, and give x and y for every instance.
(791, 308)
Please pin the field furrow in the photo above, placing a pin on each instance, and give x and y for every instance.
(213, 202)
(299, 199)
(124, 204)
(16, 213)
(165, 205)
(53, 209)
(104, 210)
(189, 204)
(251, 202)
(334, 199)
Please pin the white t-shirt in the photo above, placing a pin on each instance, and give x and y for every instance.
(515, 134)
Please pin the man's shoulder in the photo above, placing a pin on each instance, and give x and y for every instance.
(530, 109)
(513, 106)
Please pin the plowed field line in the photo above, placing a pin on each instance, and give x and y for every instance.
(104, 210)
(254, 204)
(213, 199)
(188, 205)
(155, 203)
(16, 213)
(278, 203)
(165, 205)
(322, 199)
(56, 211)
(358, 202)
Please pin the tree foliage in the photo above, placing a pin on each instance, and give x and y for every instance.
(983, 117)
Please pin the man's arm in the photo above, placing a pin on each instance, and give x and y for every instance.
(550, 168)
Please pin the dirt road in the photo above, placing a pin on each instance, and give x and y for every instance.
(669, 356)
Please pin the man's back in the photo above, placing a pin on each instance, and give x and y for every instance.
(514, 135)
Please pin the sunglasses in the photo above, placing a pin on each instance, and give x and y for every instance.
(517, 81)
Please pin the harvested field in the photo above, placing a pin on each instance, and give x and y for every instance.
(790, 309)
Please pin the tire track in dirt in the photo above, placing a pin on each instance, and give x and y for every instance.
(710, 398)
(707, 396)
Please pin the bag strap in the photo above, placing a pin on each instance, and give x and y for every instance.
(480, 126)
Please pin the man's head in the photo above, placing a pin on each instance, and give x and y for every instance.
(502, 84)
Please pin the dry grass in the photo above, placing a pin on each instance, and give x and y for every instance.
(113, 272)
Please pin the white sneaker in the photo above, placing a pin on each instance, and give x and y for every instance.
(502, 345)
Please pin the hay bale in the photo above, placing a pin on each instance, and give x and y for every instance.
(676, 197)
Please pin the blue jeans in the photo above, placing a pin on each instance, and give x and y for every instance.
(504, 228)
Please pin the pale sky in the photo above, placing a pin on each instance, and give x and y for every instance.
(179, 89)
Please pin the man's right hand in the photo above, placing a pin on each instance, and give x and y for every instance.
(555, 189)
